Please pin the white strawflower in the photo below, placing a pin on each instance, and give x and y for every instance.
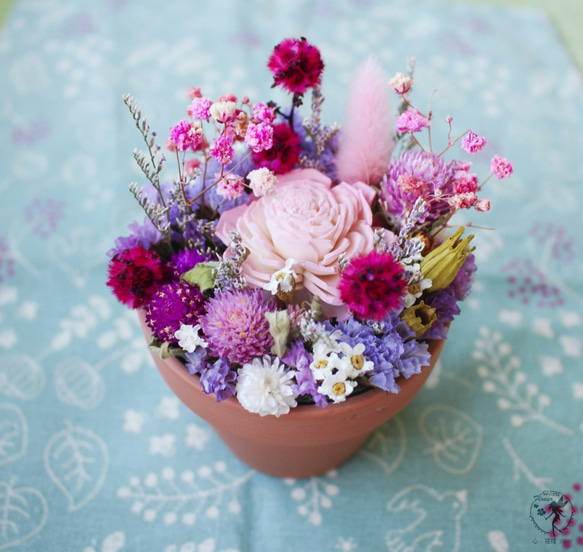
(265, 387)
(401, 83)
(223, 111)
(188, 338)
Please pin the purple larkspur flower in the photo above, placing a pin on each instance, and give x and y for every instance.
(446, 308)
(462, 283)
(235, 325)
(171, 306)
(300, 359)
(219, 379)
(144, 234)
(185, 260)
(417, 174)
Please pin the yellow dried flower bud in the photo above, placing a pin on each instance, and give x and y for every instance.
(419, 317)
(443, 263)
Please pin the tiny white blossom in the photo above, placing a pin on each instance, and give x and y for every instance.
(189, 339)
(325, 359)
(283, 279)
(356, 364)
(337, 387)
(265, 387)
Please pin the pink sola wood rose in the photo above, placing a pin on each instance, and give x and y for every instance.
(310, 221)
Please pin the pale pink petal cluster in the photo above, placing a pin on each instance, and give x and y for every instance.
(262, 181)
(401, 83)
(472, 143)
(411, 121)
(501, 167)
(306, 219)
(259, 137)
(230, 186)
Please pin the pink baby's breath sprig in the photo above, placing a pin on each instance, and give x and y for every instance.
(501, 167)
(472, 143)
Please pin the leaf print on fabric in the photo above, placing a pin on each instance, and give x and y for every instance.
(21, 377)
(313, 494)
(23, 513)
(455, 438)
(499, 368)
(424, 520)
(387, 445)
(77, 461)
(13, 434)
(79, 384)
(186, 500)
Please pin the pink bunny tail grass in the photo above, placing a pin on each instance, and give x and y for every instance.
(366, 140)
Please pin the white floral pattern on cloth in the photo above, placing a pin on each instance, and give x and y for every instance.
(96, 455)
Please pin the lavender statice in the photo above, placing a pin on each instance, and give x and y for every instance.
(228, 273)
(299, 359)
(219, 379)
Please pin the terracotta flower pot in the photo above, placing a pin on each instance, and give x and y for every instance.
(305, 442)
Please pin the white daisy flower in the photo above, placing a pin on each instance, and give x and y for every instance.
(325, 360)
(188, 338)
(282, 280)
(265, 387)
(336, 387)
(356, 364)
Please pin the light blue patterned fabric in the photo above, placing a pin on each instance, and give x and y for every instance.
(97, 455)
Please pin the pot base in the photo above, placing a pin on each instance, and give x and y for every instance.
(307, 441)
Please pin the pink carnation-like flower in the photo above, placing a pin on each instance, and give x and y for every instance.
(262, 113)
(401, 83)
(482, 205)
(501, 167)
(373, 285)
(285, 152)
(296, 65)
(306, 219)
(259, 137)
(235, 325)
(411, 121)
(472, 143)
(200, 108)
(134, 276)
(222, 149)
(185, 135)
(230, 186)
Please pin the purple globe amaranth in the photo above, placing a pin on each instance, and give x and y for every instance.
(171, 306)
(235, 325)
(417, 174)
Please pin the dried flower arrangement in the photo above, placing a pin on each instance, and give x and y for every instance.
(292, 262)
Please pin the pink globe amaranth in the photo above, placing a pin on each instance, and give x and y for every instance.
(309, 220)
